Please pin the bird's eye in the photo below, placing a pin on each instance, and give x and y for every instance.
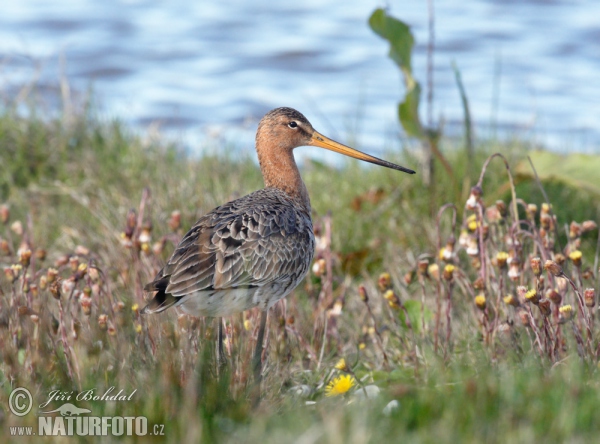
(293, 124)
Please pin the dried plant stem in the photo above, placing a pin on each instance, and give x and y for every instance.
(448, 316)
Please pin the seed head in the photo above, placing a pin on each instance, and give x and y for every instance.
(553, 268)
(102, 321)
(554, 296)
(474, 198)
(17, 228)
(589, 296)
(501, 207)
(175, 220)
(362, 293)
(545, 308)
(4, 214)
(588, 225)
(384, 282)
(536, 266)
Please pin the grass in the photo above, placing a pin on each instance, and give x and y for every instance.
(95, 203)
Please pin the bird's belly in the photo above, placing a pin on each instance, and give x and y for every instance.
(222, 303)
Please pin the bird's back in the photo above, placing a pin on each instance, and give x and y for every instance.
(249, 252)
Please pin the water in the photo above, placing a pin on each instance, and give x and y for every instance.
(203, 69)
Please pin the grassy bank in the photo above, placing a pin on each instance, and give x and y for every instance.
(94, 206)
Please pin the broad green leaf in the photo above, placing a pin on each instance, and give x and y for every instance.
(401, 40)
(413, 308)
(408, 112)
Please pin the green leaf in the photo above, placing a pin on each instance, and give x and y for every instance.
(408, 112)
(398, 34)
(401, 40)
(413, 308)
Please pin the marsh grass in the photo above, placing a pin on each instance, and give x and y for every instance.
(99, 206)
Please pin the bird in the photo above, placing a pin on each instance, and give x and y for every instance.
(253, 251)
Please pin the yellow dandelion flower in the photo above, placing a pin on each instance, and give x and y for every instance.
(480, 301)
(362, 346)
(575, 256)
(340, 385)
(341, 365)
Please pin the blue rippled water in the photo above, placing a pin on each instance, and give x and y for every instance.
(200, 69)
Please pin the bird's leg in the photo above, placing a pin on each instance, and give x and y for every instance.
(257, 360)
(221, 360)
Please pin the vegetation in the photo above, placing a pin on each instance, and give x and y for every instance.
(404, 321)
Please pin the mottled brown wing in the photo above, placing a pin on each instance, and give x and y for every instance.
(247, 243)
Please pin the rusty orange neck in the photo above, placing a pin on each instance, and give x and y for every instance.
(280, 171)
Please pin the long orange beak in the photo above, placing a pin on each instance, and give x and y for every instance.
(320, 140)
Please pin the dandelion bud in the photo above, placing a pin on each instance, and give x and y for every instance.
(17, 228)
(566, 313)
(590, 297)
(55, 289)
(144, 236)
(319, 267)
(434, 271)
(501, 259)
(25, 257)
(62, 261)
(290, 320)
(26, 285)
(553, 268)
(112, 331)
(532, 296)
(463, 239)
(384, 282)
(524, 317)
(574, 230)
(536, 266)
(554, 296)
(119, 306)
(43, 282)
(408, 277)
(509, 299)
(4, 248)
(501, 207)
(102, 321)
(10, 276)
(130, 224)
(575, 256)
(545, 308)
(393, 299)
(448, 273)
(175, 220)
(138, 328)
(34, 290)
(4, 214)
(342, 366)
(157, 248)
(86, 305)
(422, 268)
(546, 221)
(73, 263)
(480, 301)
(34, 318)
(531, 211)
(479, 284)
(67, 286)
(588, 225)
(40, 254)
(362, 293)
